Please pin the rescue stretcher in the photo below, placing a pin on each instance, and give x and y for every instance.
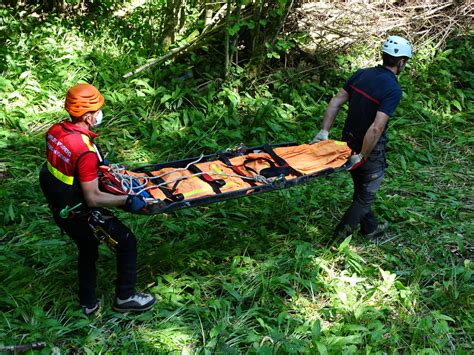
(225, 175)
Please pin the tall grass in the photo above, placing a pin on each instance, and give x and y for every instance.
(260, 274)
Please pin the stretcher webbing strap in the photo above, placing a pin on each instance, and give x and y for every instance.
(234, 168)
(280, 161)
(216, 184)
(168, 193)
(271, 171)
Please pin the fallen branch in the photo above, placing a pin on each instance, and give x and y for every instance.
(184, 47)
(159, 60)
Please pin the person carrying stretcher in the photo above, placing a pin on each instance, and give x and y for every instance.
(69, 180)
(373, 95)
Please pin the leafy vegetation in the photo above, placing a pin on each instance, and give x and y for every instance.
(260, 274)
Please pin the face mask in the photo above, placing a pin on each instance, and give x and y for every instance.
(98, 119)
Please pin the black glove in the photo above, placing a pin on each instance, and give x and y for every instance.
(134, 203)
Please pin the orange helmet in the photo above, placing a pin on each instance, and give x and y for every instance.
(83, 98)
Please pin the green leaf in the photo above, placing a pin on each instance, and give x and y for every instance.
(323, 350)
(316, 331)
(345, 243)
(165, 98)
(440, 316)
(457, 104)
(192, 35)
(25, 74)
(359, 311)
(11, 213)
(403, 162)
(229, 288)
(215, 331)
(340, 341)
(234, 29)
(250, 24)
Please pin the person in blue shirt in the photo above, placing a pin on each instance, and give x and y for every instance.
(373, 95)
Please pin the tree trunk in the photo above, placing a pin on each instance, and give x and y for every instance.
(13, 3)
(208, 15)
(54, 5)
(226, 38)
(170, 22)
(235, 41)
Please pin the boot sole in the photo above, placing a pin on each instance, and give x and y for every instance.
(92, 312)
(378, 233)
(131, 309)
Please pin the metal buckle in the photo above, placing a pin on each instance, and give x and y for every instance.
(97, 217)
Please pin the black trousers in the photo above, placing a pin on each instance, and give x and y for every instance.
(81, 231)
(367, 179)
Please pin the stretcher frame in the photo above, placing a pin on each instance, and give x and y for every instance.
(281, 182)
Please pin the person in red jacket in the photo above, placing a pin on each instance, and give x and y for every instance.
(69, 180)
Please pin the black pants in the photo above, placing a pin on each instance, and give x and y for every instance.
(80, 230)
(367, 179)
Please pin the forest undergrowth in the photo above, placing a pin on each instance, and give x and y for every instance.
(260, 274)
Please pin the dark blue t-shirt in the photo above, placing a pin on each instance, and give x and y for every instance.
(370, 90)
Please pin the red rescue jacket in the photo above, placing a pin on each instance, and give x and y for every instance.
(66, 143)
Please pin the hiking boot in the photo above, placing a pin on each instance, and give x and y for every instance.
(342, 232)
(90, 310)
(381, 228)
(139, 302)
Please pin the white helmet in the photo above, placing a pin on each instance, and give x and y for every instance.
(397, 46)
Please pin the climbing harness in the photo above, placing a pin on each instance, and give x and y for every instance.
(98, 223)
